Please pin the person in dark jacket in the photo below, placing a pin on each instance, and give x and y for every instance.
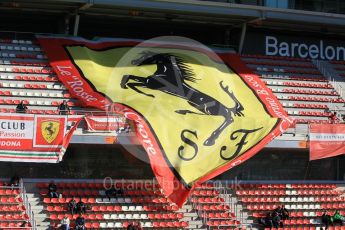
(21, 107)
(52, 190)
(63, 108)
(72, 206)
(276, 220)
(81, 207)
(14, 181)
(80, 223)
(326, 219)
(131, 226)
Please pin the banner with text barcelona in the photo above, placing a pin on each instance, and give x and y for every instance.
(35, 138)
(196, 113)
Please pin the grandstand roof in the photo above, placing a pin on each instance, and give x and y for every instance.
(189, 11)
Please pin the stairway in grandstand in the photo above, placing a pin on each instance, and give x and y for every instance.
(303, 91)
(208, 208)
(14, 210)
(25, 74)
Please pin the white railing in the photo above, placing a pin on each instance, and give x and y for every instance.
(21, 189)
(27, 204)
(330, 74)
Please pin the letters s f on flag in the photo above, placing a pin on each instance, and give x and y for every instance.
(196, 113)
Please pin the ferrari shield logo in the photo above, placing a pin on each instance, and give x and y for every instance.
(202, 113)
(50, 130)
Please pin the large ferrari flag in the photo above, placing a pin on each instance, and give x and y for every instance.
(196, 113)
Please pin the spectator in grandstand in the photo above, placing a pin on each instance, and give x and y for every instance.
(333, 117)
(139, 227)
(267, 221)
(72, 206)
(81, 207)
(21, 107)
(326, 219)
(80, 222)
(131, 226)
(113, 192)
(63, 108)
(52, 190)
(276, 220)
(65, 222)
(14, 181)
(337, 218)
(25, 223)
(282, 212)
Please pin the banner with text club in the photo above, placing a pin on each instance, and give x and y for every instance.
(35, 138)
(197, 113)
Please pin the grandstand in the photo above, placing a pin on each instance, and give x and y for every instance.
(294, 47)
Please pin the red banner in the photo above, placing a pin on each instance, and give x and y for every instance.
(35, 138)
(326, 140)
(105, 123)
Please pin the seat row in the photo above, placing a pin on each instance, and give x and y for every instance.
(33, 70)
(308, 228)
(219, 215)
(280, 70)
(9, 191)
(87, 193)
(117, 208)
(275, 63)
(23, 63)
(33, 94)
(123, 185)
(289, 207)
(223, 223)
(282, 192)
(30, 78)
(13, 216)
(205, 193)
(305, 106)
(319, 99)
(213, 207)
(288, 199)
(34, 102)
(12, 208)
(297, 186)
(295, 214)
(259, 56)
(299, 84)
(207, 200)
(309, 113)
(314, 121)
(32, 86)
(22, 55)
(112, 225)
(34, 111)
(9, 200)
(20, 48)
(16, 41)
(294, 77)
(14, 225)
(306, 91)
